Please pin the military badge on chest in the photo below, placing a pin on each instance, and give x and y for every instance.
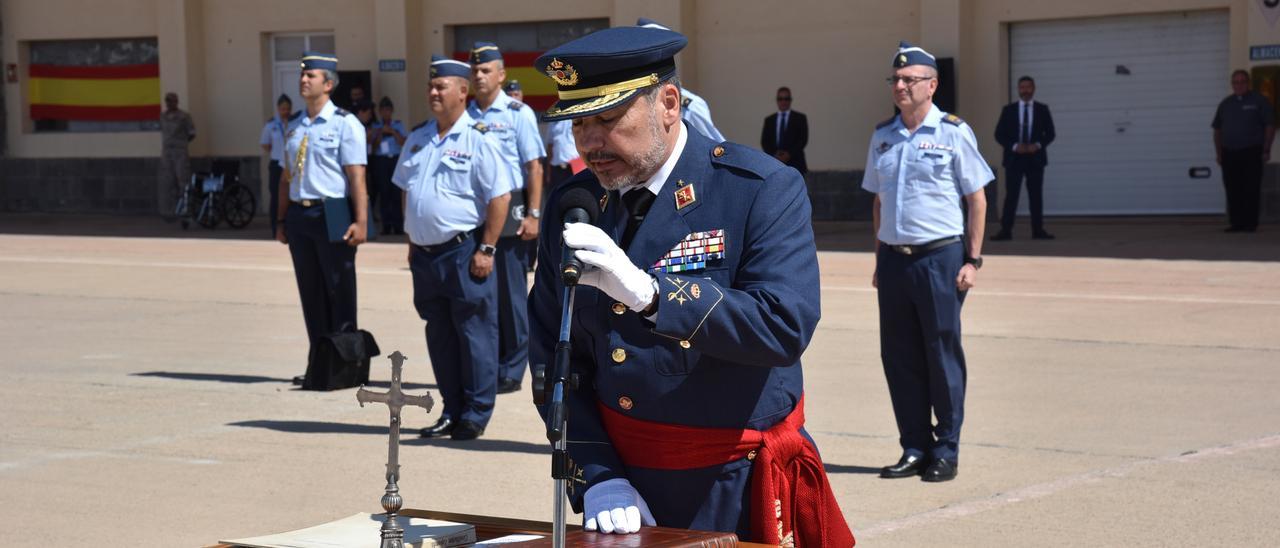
(693, 252)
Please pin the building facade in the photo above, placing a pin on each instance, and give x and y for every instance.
(1132, 83)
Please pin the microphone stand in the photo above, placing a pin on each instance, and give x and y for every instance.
(557, 382)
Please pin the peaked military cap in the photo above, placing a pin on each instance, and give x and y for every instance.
(511, 85)
(442, 66)
(604, 69)
(321, 61)
(483, 52)
(908, 55)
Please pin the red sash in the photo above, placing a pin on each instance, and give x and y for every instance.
(791, 500)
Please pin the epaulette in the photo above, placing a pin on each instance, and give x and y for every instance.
(886, 122)
(479, 126)
(952, 119)
(340, 112)
(686, 101)
(745, 158)
(420, 126)
(295, 115)
(515, 105)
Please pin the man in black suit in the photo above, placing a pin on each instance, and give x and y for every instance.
(786, 133)
(1025, 129)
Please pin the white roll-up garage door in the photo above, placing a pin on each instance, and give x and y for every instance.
(1132, 98)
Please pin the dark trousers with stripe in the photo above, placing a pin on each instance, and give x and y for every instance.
(920, 347)
(273, 187)
(1023, 167)
(1242, 177)
(512, 265)
(462, 329)
(326, 273)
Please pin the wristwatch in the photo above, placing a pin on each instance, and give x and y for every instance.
(488, 249)
(975, 261)
(535, 213)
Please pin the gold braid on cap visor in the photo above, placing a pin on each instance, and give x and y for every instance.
(599, 102)
(610, 89)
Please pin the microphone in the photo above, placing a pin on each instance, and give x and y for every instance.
(576, 206)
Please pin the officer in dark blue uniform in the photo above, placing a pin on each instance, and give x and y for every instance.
(325, 159)
(456, 193)
(920, 165)
(700, 296)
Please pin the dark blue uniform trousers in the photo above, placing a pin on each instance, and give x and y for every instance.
(512, 267)
(326, 273)
(462, 329)
(273, 189)
(920, 347)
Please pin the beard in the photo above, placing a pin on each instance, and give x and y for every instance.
(642, 165)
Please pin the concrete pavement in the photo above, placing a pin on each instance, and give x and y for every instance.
(1122, 391)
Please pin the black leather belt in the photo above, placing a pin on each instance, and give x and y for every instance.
(922, 248)
(447, 244)
(307, 204)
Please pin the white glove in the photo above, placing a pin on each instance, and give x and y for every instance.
(614, 506)
(613, 273)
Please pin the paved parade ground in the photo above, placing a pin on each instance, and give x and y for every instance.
(1123, 386)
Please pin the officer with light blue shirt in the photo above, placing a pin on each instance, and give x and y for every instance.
(693, 108)
(456, 195)
(272, 142)
(516, 128)
(921, 164)
(562, 150)
(389, 134)
(324, 159)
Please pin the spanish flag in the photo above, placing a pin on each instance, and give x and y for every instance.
(539, 90)
(100, 93)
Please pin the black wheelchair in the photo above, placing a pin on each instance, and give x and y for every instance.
(216, 196)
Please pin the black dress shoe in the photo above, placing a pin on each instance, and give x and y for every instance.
(440, 429)
(908, 465)
(466, 430)
(1002, 236)
(507, 386)
(1042, 235)
(941, 470)
(298, 380)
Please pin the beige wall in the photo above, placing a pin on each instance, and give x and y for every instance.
(833, 54)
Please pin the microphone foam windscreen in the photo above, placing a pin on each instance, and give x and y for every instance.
(580, 198)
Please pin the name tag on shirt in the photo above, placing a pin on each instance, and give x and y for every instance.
(936, 146)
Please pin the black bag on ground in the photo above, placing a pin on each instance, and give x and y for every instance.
(340, 360)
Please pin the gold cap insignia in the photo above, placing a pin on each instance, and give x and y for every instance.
(902, 59)
(564, 74)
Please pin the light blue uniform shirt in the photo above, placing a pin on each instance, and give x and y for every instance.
(515, 128)
(449, 180)
(922, 177)
(698, 113)
(333, 140)
(387, 145)
(273, 134)
(563, 148)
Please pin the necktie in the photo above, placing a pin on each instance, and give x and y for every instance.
(1026, 122)
(637, 201)
(782, 127)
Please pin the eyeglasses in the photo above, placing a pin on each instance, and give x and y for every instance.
(787, 99)
(908, 80)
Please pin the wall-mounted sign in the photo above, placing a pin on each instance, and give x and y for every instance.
(1262, 53)
(391, 65)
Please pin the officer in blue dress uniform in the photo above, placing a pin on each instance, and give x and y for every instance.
(702, 290)
(920, 165)
(516, 128)
(456, 193)
(272, 142)
(389, 135)
(694, 109)
(325, 158)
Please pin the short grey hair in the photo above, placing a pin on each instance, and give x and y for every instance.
(330, 76)
(651, 93)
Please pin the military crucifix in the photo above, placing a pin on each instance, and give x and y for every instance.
(395, 399)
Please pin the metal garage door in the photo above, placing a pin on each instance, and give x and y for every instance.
(1132, 98)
